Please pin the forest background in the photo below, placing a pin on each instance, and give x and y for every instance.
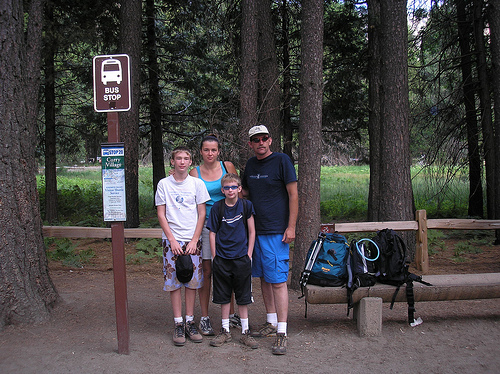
(189, 75)
(384, 83)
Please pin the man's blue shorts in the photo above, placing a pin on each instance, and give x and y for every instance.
(270, 258)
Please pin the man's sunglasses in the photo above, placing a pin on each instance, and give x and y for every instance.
(227, 188)
(259, 139)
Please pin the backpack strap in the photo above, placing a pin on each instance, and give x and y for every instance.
(220, 210)
(410, 297)
(245, 214)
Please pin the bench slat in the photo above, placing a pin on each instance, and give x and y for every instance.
(444, 287)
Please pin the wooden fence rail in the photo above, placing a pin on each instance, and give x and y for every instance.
(420, 226)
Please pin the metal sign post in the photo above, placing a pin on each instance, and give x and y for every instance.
(111, 95)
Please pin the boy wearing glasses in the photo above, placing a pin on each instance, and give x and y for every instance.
(271, 184)
(232, 237)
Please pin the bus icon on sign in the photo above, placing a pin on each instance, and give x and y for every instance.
(111, 71)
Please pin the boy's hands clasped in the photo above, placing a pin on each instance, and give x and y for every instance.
(186, 249)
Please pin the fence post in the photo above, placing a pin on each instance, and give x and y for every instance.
(422, 253)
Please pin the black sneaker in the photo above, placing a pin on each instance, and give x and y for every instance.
(279, 346)
(235, 321)
(206, 327)
(179, 337)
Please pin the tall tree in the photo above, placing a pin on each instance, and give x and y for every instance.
(50, 43)
(311, 100)
(269, 87)
(375, 64)
(494, 22)
(393, 189)
(485, 105)
(249, 71)
(475, 184)
(130, 40)
(287, 82)
(154, 97)
(26, 291)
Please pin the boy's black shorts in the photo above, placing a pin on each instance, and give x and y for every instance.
(232, 275)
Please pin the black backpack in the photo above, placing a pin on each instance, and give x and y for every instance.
(393, 265)
(362, 267)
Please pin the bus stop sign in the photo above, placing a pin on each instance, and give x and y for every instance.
(111, 83)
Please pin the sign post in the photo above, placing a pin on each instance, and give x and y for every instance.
(111, 95)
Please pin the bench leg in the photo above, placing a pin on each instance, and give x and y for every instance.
(368, 316)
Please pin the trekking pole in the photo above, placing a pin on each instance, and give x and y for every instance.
(312, 259)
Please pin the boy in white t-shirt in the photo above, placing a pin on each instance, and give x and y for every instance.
(180, 200)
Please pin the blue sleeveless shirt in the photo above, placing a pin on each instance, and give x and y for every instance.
(213, 187)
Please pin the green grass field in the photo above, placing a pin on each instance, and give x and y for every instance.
(344, 194)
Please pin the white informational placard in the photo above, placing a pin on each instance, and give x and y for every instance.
(113, 182)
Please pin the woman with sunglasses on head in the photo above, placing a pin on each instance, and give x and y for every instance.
(210, 172)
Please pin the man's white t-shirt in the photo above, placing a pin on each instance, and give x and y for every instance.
(181, 200)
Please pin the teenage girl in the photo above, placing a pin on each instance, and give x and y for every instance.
(210, 172)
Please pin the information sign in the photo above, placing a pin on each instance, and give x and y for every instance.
(113, 182)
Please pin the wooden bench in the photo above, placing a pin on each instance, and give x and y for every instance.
(368, 300)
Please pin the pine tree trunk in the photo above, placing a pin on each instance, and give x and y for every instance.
(130, 38)
(485, 102)
(26, 291)
(154, 95)
(475, 184)
(269, 88)
(249, 72)
(287, 85)
(50, 118)
(391, 193)
(310, 144)
(374, 103)
(494, 21)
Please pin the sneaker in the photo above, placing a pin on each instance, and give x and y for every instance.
(279, 346)
(206, 327)
(235, 321)
(192, 332)
(221, 338)
(248, 340)
(179, 337)
(266, 329)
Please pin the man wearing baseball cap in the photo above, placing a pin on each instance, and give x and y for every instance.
(270, 182)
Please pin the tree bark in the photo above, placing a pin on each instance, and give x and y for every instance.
(50, 117)
(485, 103)
(249, 73)
(287, 85)
(391, 194)
(269, 88)
(475, 184)
(494, 22)
(374, 123)
(130, 39)
(310, 150)
(154, 97)
(26, 291)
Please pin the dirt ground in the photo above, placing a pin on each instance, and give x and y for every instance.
(80, 337)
